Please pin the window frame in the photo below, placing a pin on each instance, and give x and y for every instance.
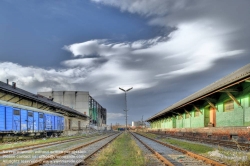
(230, 103)
(30, 114)
(196, 113)
(16, 112)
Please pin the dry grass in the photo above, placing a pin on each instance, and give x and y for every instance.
(123, 151)
(229, 157)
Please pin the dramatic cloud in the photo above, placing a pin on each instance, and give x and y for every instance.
(142, 63)
(225, 20)
(203, 33)
(38, 79)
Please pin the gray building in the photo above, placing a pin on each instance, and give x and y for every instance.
(80, 101)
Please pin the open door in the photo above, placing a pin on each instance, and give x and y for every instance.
(213, 116)
(209, 117)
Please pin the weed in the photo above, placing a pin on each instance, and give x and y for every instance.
(123, 151)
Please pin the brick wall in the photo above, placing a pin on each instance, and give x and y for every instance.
(221, 133)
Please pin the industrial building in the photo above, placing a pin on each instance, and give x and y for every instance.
(15, 101)
(82, 102)
(138, 123)
(220, 110)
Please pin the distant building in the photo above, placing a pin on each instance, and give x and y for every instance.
(82, 102)
(138, 123)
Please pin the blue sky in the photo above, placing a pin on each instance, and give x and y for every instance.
(40, 29)
(165, 49)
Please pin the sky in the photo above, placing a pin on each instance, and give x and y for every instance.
(165, 49)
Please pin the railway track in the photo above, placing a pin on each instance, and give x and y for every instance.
(173, 156)
(35, 146)
(91, 154)
(228, 144)
(36, 139)
(37, 155)
(78, 155)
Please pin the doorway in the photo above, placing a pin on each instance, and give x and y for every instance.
(209, 117)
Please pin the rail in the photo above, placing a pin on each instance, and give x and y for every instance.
(34, 146)
(54, 156)
(191, 154)
(97, 150)
(159, 156)
(229, 144)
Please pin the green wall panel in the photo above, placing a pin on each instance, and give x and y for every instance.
(247, 116)
(186, 122)
(232, 118)
(179, 123)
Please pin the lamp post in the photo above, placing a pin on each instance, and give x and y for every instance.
(126, 109)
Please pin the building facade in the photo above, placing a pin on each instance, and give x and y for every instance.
(222, 106)
(82, 102)
(138, 123)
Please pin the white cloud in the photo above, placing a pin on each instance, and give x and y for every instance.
(140, 86)
(203, 35)
(85, 49)
(32, 77)
(193, 47)
(144, 7)
(87, 62)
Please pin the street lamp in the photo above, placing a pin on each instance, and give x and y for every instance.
(126, 109)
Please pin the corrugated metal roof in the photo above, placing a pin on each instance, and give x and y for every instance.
(20, 92)
(238, 75)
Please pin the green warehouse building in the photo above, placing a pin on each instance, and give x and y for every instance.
(220, 110)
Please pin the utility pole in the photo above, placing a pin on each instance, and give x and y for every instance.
(126, 109)
(142, 120)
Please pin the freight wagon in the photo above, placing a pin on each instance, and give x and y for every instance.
(26, 121)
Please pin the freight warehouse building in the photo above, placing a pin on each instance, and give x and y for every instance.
(24, 113)
(220, 111)
(82, 102)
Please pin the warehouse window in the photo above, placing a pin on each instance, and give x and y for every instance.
(196, 113)
(187, 116)
(40, 115)
(228, 105)
(30, 114)
(16, 112)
